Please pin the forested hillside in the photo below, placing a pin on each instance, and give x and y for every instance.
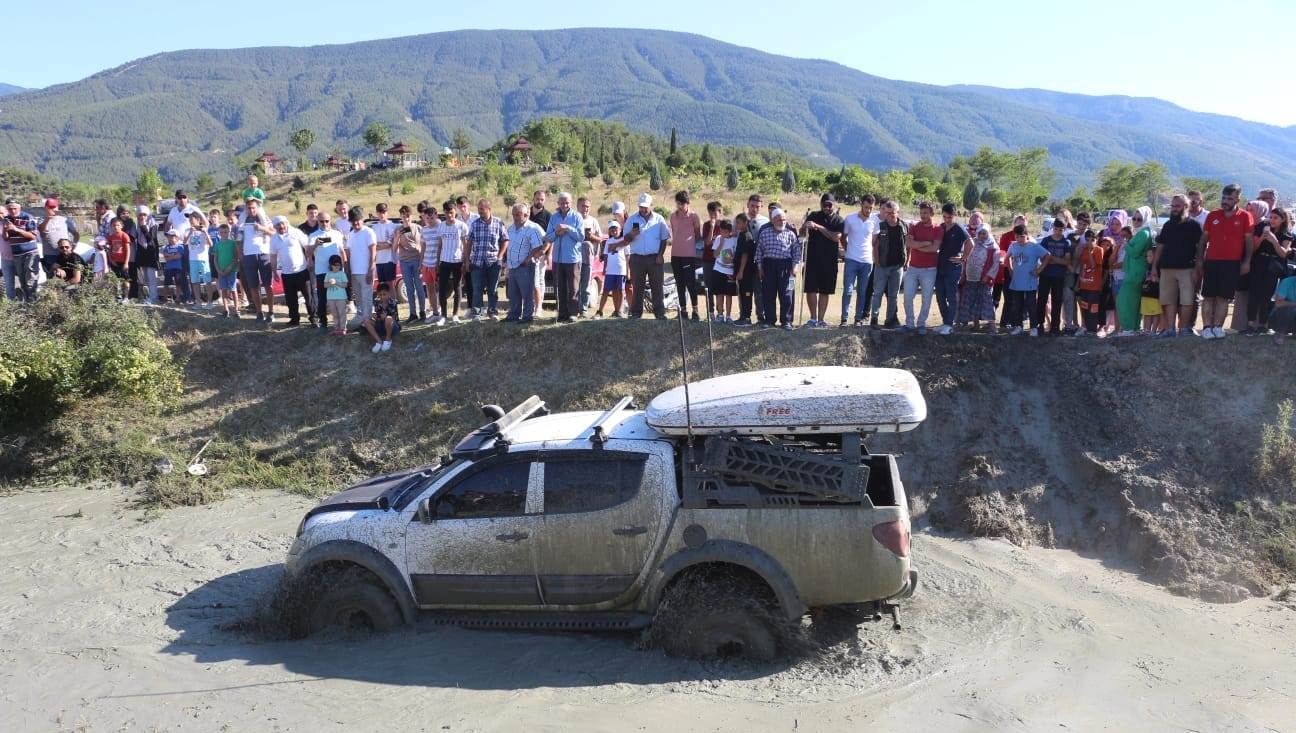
(191, 112)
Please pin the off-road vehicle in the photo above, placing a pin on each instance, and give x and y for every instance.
(722, 513)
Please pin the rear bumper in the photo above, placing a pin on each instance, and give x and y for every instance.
(911, 584)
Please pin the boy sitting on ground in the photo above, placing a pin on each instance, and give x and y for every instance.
(385, 323)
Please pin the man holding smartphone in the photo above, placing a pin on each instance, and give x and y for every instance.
(648, 236)
(21, 239)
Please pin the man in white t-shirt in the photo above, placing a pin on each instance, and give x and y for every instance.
(384, 229)
(288, 255)
(178, 216)
(362, 255)
(452, 242)
(859, 230)
(322, 245)
(255, 271)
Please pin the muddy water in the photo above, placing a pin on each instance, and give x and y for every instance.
(108, 621)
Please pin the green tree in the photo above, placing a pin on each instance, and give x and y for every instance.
(1028, 179)
(1151, 179)
(302, 140)
(591, 171)
(460, 143)
(788, 183)
(1081, 200)
(674, 159)
(204, 183)
(991, 167)
(944, 193)
(971, 196)
(148, 185)
(731, 179)
(655, 179)
(993, 198)
(853, 182)
(707, 158)
(377, 137)
(1117, 185)
(897, 186)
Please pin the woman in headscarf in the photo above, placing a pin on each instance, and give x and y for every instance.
(1117, 219)
(1259, 211)
(1129, 299)
(979, 270)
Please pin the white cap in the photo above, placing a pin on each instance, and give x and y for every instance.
(141, 209)
(279, 220)
(614, 223)
(645, 199)
(776, 212)
(618, 207)
(173, 233)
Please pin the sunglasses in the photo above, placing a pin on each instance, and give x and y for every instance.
(1136, 218)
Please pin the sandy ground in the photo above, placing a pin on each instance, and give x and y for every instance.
(112, 621)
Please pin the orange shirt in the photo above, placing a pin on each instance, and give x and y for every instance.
(118, 247)
(1090, 276)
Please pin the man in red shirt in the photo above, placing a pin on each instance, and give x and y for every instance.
(924, 248)
(1222, 257)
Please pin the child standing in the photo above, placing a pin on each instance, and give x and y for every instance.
(119, 254)
(101, 263)
(173, 255)
(979, 274)
(431, 237)
(385, 322)
(1091, 273)
(225, 255)
(1027, 258)
(200, 276)
(614, 270)
(335, 282)
(721, 281)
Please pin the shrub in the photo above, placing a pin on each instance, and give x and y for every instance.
(1276, 464)
(73, 346)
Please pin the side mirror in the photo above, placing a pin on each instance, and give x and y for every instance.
(424, 512)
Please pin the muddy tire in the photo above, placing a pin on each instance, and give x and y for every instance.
(703, 617)
(351, 601)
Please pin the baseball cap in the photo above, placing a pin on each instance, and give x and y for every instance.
(51, 203)
(173, 233)
(618, 207)
(827, 199)
(279, 220)
(180, 194)
(614, 223)
(141, 209)
(645, 199)
(10, 200)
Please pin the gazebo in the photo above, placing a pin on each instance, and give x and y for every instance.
(520, 150)
(403, 156)
(333, 162)
(270, 162)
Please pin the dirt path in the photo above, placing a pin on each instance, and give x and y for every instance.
(109, 622)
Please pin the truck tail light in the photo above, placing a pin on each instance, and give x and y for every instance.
(894, 536)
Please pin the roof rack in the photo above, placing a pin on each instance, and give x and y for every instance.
(494, 434)
(599, 436)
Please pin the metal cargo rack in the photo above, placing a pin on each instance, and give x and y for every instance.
(767, 472)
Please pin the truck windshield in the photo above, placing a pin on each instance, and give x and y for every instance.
(422, 479)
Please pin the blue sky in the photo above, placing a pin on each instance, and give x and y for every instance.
(1205, 56)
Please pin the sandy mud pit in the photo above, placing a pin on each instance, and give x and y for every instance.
(110, 621)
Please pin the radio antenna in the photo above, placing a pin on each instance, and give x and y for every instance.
(688, 406)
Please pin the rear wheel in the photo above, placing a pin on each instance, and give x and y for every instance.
(705, 616)
(352, 600)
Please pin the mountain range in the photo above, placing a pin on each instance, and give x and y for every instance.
(7, 89)
(190, 112)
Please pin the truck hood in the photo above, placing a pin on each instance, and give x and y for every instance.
(373, 493)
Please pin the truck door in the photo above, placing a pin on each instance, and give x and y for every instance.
(602, 513)
(477, 546)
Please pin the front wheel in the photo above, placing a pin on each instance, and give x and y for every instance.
(352, 600)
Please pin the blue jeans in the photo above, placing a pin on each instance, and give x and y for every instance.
(26, 269)
(7, 267)
(947, 292)
(886, 281)
(774, 286)
(521, 292)
(413, 288)
(485, 277)
(857, 277)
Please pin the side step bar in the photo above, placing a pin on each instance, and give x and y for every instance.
(538, 620)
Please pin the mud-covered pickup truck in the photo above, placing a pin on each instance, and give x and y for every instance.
(730, 508)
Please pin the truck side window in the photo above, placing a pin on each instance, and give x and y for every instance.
(497, 491)
(585, 486)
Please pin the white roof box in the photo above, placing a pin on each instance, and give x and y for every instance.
(796, 400)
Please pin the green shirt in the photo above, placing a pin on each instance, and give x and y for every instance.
(226, 251)
(336, 283)
(254, 193)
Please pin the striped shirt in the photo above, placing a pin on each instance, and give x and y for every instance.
(775, 245)
(486, 237)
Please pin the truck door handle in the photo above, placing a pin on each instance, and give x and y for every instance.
(629, 531)
(512, 537)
